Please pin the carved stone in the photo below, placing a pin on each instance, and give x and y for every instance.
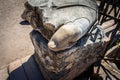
(67, 64)
(49, 20)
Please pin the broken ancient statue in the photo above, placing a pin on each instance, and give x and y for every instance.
(61, 21)
(62, 49)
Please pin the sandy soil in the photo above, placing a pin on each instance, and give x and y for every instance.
(14, 37)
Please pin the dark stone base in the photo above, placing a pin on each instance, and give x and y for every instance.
(67, 64)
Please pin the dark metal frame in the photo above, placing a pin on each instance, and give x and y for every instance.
(109, 10)
(105, 14)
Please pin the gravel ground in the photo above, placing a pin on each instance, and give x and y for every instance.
(14, 37)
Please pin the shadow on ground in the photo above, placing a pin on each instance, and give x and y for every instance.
(24, 23)
(27, 71)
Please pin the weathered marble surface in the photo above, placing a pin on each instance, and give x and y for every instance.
(34, 17)
(67, 64)
(48, 20)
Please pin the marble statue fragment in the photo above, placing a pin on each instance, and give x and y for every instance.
(61, 22)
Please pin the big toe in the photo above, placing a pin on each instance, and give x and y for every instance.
(51, 45)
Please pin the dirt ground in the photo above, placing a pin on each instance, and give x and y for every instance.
(14, 37)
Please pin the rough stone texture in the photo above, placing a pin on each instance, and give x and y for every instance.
(67, 64)
(46, 20)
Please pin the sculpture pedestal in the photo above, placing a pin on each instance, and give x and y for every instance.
(67, 64)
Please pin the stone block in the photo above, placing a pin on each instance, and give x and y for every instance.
(67, 64)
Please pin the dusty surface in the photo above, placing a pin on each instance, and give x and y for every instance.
(14, 37)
